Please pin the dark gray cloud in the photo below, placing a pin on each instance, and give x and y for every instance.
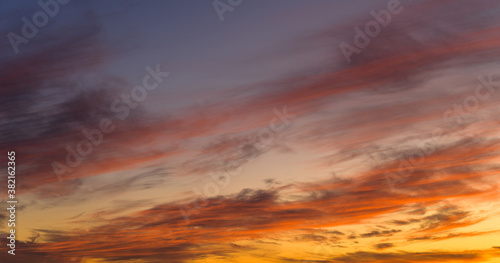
(381, 246)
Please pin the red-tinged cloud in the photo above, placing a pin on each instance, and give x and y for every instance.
(408, 257)
(51, 96)
(179, 231)
(41, 133)
(215, 223)
(452, 235)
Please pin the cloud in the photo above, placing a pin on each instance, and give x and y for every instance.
(50, 94)
(408, 257)
(405, 222)
(256, 214)
(377, 233)
(453, 235)
(447, 217)
(311, 237)
(381, 246)
(336, 232)
(40, 128)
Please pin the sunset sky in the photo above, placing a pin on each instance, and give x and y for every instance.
(251, 131)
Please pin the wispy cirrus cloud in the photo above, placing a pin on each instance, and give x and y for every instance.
(256, 214)
(393, 94)
(306, 95)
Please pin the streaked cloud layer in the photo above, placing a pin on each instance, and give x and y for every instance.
(392, 157)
